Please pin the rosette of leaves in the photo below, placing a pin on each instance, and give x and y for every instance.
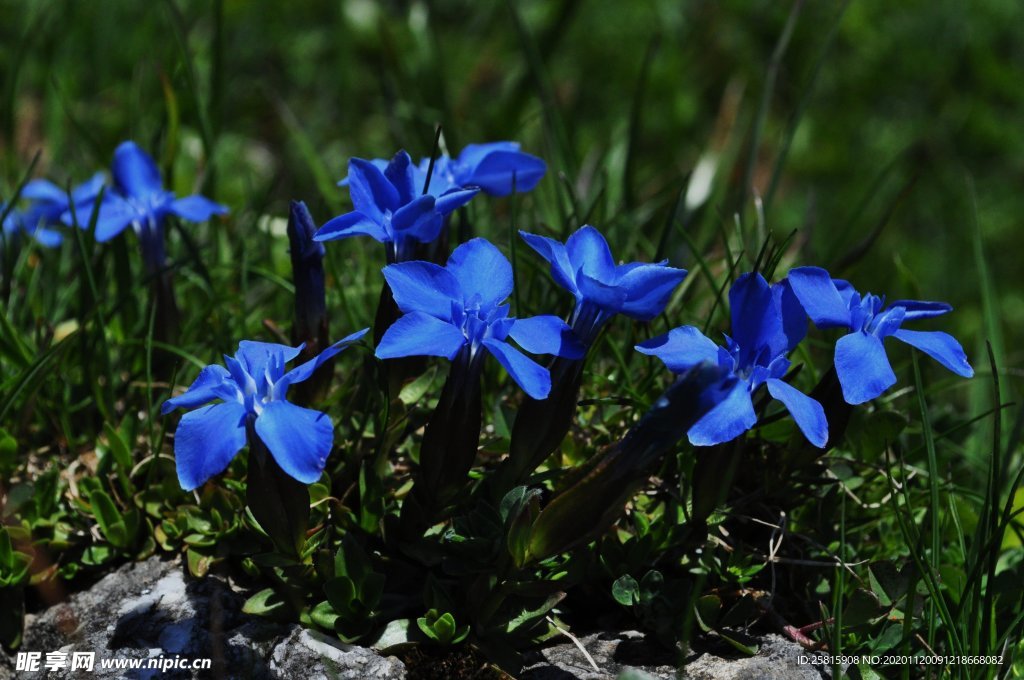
(353, 591)
(122, 529)
(45, 520)
(207, 532)
(441, 628)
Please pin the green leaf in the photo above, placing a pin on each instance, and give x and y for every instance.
(867, 673)
(371, 589)
(109, 518)
(651, 586)
(626, 591)
(396, 635)
(118, 447)
(198, 563)
(426, 624)
(870, 432)
(96, 555)
(266, 602)
(526, 618)
(445, 628)
(6, 550)
(324, 615)
(341, 593)
(1017, 667)
(461, 633)
(520, 518)
(862, 607)
(414, 391)
(890, 637)
(887, 582)
(708, 608)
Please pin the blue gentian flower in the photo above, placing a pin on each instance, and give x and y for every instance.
(253, 390)
(49, 203)
(584, 266)
(140, 200)
(391, 206)
(860, 360)
(767, 324)
(490, 167)
(496, 168)
(457, 311)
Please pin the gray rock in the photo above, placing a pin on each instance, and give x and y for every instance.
(290, 659)
(625, 654)
(628, 656)
(154, 610)
(777, 659)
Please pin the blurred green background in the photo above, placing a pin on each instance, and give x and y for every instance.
(905, 116)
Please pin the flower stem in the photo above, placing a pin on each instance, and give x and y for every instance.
(450, 441)
(540, 426)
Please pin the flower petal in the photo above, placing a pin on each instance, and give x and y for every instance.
(379, 163)
(423, 287)
(419, 334)
(453, 199)
(43, 190)
(207, 386)
(846, 291)
(820, 297)
(115, 214)
(441, 178)
(862, 367)
(48, 238)
(756, 320)
(197, 208)
(257, 357)
(681, 348)
(370, 190)
(921, 309)
(135, 172)
(589, 252)
(481, 269)
(940, 346)
(417, 220)
(473, 154)
(648, 288)
(353, 223)
(533, 378)
(206, 441)
(305, 370)
(794, 318)
(400, 172)
(299, 439)
(555, 253)
(888, 322)
(499, 172)
(728, 419)
(89, 189)
(547, 334)
(807, 412)
(607, 297)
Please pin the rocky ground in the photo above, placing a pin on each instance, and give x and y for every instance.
(153, 609)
